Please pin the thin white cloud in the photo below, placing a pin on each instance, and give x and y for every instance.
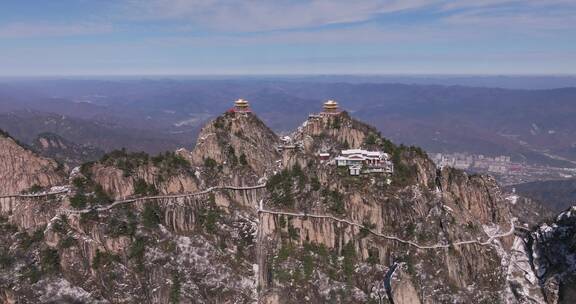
(497, 3)
(266, 15)
(476, 4)
(366, 35)
(29, 30)
(527, 19)
(233, 16)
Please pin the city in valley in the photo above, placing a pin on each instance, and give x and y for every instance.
(506, 171)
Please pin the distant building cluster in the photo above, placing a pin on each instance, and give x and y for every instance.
(464, 161)
(503, 168)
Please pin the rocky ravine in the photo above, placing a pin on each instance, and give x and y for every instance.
(292, 229)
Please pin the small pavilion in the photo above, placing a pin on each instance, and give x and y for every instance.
(242, 106)
(331, 108)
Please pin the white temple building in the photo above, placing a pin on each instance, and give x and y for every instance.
(364, 161)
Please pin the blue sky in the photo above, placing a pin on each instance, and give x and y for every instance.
(221, 37)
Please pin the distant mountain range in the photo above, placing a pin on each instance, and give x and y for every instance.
(28, 125)
(536, 126)
(65, 151)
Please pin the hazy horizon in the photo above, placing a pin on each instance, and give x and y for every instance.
(525, 82)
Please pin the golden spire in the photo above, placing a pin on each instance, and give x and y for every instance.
(241, 105)
(331, 106)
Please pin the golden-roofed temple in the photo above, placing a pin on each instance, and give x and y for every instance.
(241, 105)
(331, 107)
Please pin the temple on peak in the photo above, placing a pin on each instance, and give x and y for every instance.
(241, 106)
(331, 108)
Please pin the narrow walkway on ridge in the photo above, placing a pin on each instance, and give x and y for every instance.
(390, 237)
(262, 210)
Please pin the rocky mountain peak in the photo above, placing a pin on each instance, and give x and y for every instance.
(122, 174)
(333, 132)
(554, 252)
(234, 148)
(341, 129)
(236, 141)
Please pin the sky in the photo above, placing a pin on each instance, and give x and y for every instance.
(274, 37)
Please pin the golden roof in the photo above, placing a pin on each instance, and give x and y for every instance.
(241, 103)
(330, 105)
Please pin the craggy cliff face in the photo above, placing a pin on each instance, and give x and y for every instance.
(20, 169)
(248, 218)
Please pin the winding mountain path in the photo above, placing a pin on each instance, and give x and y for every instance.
(261, 209)
(165, 196)
(390, 237)
(44, 194)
